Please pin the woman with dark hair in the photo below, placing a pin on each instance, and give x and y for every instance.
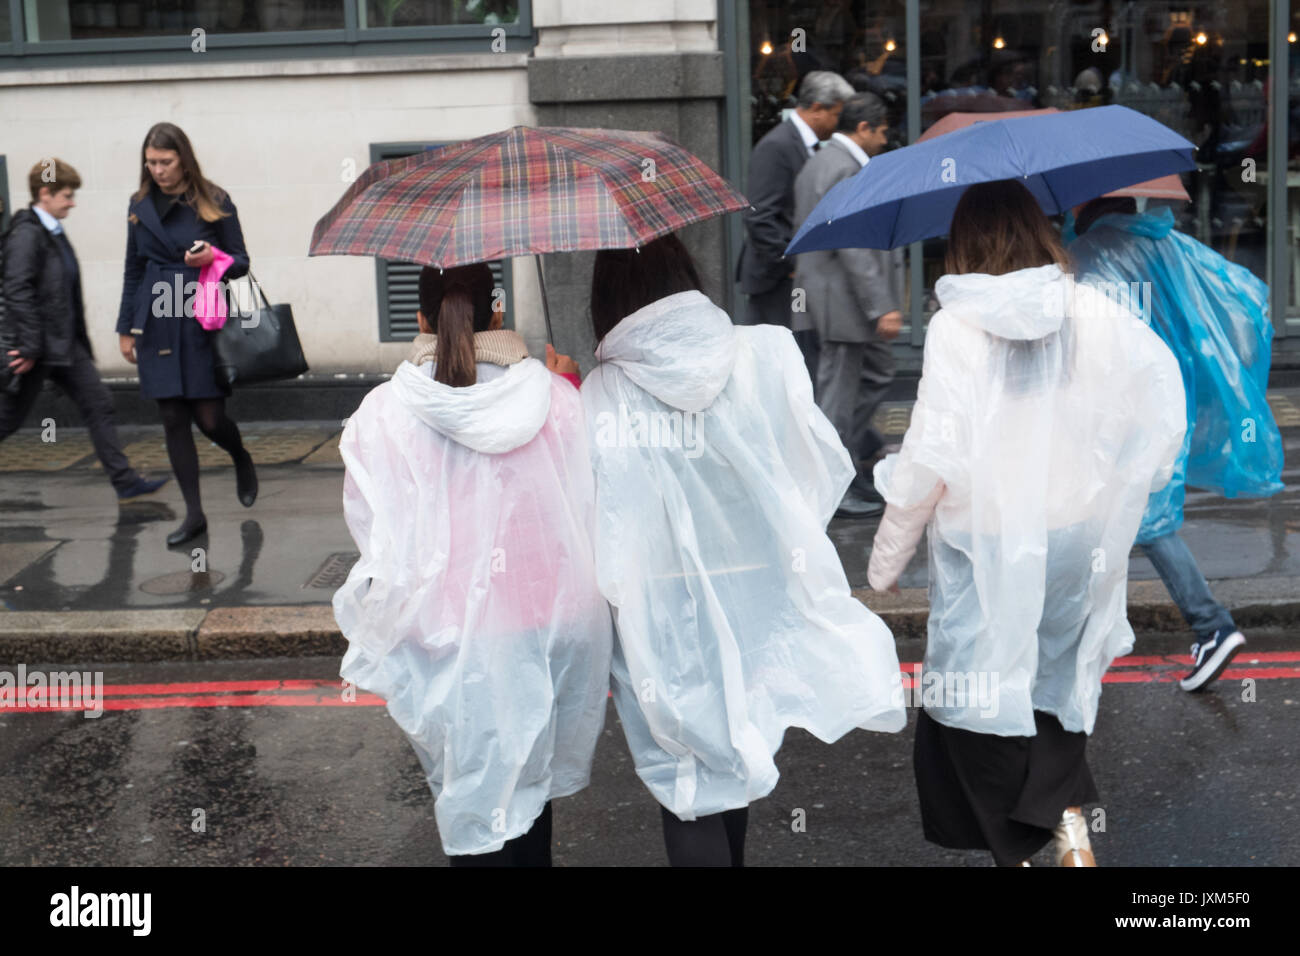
(1044, 416)
(473, 610)
(177, 222)
(716, 476)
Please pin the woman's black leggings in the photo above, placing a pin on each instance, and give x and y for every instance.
(715, 840)
(531, 849)
(210, 415)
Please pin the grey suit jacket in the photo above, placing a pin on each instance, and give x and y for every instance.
(845, 290)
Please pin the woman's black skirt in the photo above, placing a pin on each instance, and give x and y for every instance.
(1004, 794)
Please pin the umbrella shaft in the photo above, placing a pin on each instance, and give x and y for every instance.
(546, 309)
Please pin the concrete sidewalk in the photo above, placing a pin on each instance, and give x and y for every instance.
(241, 633)
(84, 579)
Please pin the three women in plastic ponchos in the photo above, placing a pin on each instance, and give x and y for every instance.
(704, 532)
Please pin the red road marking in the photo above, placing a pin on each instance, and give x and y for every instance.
(1185, 660)
(218, 700)
(218, 686)
(327, 693)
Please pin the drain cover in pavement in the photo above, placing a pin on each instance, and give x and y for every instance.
(334, 571)
(183, 582)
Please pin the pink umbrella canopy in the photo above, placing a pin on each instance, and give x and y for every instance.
(1165, 187)
(524, 191)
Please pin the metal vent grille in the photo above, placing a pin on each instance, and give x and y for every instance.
(399, 282)
(334, 571)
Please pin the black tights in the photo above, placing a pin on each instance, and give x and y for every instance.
(530, 849)
(210, 415)
(714, 840)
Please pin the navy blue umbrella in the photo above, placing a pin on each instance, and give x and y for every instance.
(1063, 158)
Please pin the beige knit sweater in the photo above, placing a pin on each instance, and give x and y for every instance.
(500, 347)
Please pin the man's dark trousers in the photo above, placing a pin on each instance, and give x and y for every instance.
(774, 308)
(81, 382)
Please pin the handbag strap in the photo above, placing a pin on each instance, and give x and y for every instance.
(252, 279)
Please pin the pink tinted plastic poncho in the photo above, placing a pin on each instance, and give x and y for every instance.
(473, 610)
(1048, 415)
(716, 476)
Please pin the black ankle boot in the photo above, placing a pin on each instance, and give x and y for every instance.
(188, 531)
(246, 480)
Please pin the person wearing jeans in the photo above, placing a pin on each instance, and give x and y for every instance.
(1213, 316)
(1217, 637)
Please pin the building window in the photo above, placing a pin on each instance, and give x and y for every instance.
(377, 14)
(51, 20)
(399, 282)
(1201, 69)
(52, 32)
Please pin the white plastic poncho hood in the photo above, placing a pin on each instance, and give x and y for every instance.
(473, 609)
(1049, 414)
(715, 478)
(491, 416)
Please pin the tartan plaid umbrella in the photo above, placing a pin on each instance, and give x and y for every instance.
(524, 191)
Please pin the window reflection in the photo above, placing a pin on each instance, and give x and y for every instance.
(52, 20)
(411, 13)
(1200, 68)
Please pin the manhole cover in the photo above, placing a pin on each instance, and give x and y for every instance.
(334, 571)
(183, 582)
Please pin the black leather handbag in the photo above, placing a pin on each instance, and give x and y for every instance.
(259, 346)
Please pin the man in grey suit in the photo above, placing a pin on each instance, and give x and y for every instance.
(854, 300)
(765, 275)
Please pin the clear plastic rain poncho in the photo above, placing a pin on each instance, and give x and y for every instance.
(1213, 315)
(716, 476)
(1049, 416)
(473, 610)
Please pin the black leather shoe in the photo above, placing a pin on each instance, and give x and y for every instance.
(186, 533)
(246, 481)
(140, 487)
(851, 506)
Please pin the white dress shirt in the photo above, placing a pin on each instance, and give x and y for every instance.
(48, 221)
(854, 149)
(810, 139)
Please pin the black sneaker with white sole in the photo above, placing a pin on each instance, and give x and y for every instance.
(1211, 657)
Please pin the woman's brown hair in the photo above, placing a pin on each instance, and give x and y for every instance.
(202, 196)
(461, 300)
(998, 228)
(625, 280)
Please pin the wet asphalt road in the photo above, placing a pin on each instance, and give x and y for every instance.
(1186, 780)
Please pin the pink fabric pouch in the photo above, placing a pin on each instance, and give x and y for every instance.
(210, 304)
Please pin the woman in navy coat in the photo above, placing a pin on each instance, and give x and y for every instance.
(174, 220)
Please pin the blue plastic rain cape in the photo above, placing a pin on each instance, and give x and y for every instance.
(1213, 315)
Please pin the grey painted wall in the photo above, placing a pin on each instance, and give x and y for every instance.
(680, 95)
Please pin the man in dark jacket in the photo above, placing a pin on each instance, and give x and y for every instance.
(854, 299)
(765, 275)
(46, 323)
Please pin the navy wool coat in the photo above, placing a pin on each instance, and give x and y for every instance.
(173, 352)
